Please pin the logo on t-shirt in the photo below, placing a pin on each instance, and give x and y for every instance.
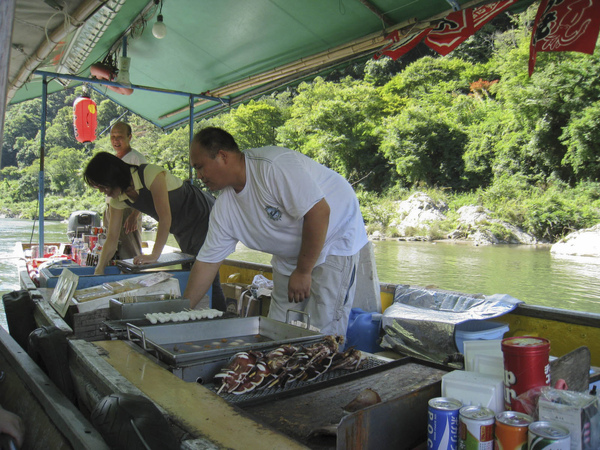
(274, 213)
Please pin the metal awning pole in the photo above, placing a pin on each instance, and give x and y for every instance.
(65, 76)
(41, 174)
(191, 134)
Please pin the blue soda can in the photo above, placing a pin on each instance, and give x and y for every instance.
(442, 423)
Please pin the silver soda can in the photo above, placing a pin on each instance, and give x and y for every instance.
(476, 428)
(544, 435)
(442, 423)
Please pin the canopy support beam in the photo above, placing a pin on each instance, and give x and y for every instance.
(191, 121)
(66, 76)
(41, 173)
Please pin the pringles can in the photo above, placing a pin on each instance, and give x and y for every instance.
(442, 423)
(548, 436)
(526, 366)
(510, 432)
(476, 428)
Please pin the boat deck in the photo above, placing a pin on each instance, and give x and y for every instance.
(310, 419)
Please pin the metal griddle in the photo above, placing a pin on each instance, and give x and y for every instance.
(188, 343)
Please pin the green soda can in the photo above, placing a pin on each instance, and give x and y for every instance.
(544, 435)
(476, 428)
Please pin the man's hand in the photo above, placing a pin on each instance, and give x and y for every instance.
(13, 425)
(131, 223)
(299, 286)
(144, 259)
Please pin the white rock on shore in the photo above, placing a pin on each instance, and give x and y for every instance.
(471, 216)
(584, 242)
(420, 211)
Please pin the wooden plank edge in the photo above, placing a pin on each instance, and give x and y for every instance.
(64, 414)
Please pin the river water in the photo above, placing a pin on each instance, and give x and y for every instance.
(529, 273)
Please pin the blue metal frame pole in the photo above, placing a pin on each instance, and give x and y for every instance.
(41, 173)
(65, 76)
(191, 133)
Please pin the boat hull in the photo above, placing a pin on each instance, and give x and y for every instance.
(202, 419)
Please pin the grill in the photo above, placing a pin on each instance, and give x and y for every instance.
(193, 352)
(371, 365)
(187, 343)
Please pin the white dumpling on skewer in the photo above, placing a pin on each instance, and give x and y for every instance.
(162, 318)
(152, 318)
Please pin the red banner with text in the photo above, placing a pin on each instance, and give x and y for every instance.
(449, 32)
(458, 26)
(564, 25)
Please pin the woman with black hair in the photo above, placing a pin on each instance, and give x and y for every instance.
(179, 207)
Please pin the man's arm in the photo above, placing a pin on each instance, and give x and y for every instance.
(200, 280)
(314, 232)
(130, 224)
(112, 239)
(160, 197)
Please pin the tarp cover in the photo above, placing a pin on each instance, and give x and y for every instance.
(421, 321)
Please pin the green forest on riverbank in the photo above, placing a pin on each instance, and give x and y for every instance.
(470, 128)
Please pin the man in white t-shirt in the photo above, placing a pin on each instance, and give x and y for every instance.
(281, 202)
(130, 239)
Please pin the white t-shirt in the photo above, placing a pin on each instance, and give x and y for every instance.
(267, 215)
(134, 157)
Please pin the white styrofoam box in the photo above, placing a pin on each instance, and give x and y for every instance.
(473, 388)
(489, 365)
(472, 330)
(484, 356)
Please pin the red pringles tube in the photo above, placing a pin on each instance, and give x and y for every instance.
(526, 366)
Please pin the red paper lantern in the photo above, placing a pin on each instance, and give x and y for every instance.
(85, 119)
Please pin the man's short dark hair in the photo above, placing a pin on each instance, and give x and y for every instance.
(213, 139)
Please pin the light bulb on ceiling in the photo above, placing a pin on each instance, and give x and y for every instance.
(159, 29)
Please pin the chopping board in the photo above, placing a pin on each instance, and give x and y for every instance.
(574, 368)
(164, 260)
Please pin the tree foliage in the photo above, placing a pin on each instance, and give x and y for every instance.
(473, 123)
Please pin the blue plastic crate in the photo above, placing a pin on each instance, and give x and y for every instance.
(472, 330)
(49, 276)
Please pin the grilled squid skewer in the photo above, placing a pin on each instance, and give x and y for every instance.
(251, 370)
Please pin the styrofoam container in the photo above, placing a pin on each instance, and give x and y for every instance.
(488, 365)
(484, 356)
(473, 388)
(472, 330)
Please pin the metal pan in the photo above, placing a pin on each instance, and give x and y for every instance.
(180, 343)
(145, 304)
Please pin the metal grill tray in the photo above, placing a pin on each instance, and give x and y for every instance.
(145, 304)
(372, 365)
(189, 342)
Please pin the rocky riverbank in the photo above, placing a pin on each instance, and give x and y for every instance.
(421, 218)
(418, 215)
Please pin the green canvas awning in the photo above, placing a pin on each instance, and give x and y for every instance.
(228, 49)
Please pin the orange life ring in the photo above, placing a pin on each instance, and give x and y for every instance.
(104, 72)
